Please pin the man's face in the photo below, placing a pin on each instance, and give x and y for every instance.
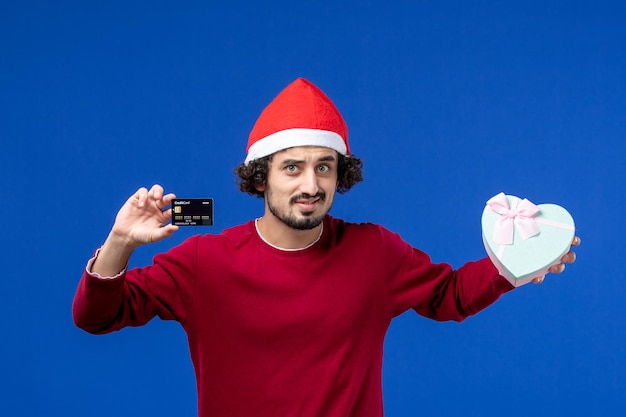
(301, 185)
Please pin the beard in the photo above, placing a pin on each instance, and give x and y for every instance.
(308, 222)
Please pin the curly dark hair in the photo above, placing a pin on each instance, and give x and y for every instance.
(349, 173)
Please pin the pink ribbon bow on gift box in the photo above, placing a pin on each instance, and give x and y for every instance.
(521, 217)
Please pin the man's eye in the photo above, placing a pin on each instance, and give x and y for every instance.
(291, 168)
(323, 168)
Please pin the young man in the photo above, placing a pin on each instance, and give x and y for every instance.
(285, 315)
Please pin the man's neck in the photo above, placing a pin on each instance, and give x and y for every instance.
(278, 234)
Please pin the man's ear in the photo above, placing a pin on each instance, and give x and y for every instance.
(260, 187)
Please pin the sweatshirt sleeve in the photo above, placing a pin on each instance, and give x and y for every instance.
(437, 291)
(135, 296)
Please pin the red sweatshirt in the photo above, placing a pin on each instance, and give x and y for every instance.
(288, 333)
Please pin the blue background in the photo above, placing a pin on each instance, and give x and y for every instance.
(448, 103)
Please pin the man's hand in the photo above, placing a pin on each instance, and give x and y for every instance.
(142, 219)
(568, 258)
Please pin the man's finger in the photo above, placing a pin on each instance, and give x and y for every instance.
(569, 257)
(167, 199)
(163, 232)
(156, 192)
(141, 195)
(167, 214)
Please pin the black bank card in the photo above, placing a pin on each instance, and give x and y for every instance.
(192, 212)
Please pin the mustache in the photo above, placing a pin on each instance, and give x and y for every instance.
(321, 195)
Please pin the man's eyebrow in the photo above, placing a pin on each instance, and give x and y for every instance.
(291, 162)
(328, 158)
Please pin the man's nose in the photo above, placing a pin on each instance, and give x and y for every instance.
(309, 183)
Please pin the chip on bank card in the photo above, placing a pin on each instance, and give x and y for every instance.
(192, 212)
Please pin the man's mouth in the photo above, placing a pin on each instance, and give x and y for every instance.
(307, 203)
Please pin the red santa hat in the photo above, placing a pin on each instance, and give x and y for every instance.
(301, 115)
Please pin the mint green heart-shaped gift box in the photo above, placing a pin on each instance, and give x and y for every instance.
(525, 257)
